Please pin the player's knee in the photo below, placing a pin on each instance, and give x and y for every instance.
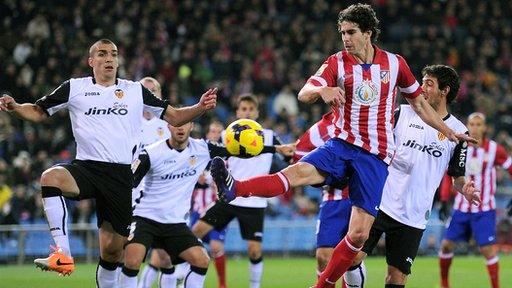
(358, 236)
(217, 250)
(322, 260)
(446, 246)
(254, 254)
(112, 253)
(132, 262)
(200, 260)
(51, 177)
(395, 276)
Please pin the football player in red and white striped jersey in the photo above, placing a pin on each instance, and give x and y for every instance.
(481, 162)
(360, 85)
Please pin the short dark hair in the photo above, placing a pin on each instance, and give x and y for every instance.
(364, 16)
(446, 76)
(101, 41)
(249, 97)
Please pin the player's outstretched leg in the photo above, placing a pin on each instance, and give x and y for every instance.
(57, 261)
(223, 179)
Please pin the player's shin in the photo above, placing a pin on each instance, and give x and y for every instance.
(355, 276)
(148, 276)
(195, 277)
(167, 277)
(57, 216)
(106, 276)
(342, 258)
(127, 279)
(263, 186)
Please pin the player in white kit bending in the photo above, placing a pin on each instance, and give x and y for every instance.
(171, 169)
(250, 211)
(423, 154)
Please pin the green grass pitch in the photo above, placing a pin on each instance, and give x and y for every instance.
(467, 272)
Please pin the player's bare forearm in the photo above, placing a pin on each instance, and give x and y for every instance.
(29, 112)
(309, 93)
(180, 116)
(429, 115)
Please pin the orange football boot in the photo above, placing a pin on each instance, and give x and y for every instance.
(57, 261)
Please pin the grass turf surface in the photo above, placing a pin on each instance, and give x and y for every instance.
(466, 272)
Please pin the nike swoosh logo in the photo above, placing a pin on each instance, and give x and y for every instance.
(60, 263)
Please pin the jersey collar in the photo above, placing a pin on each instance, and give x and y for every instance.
(94, 81)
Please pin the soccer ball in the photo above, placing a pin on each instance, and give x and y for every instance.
(244, 138)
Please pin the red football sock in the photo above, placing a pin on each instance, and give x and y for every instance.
(342, 257)
(220, 265)
(266, 186)
(445, 261)
(493, 269)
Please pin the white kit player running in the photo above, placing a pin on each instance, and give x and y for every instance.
(423, 154)
(105, 114)
(171, 169)
(250, 211)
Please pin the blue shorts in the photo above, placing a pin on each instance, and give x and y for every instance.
(212, 235)
(338, 158)
(482, 224)
(332, 223)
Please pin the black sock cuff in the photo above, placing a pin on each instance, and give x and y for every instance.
(120, 264)
(108, 265)
(198, 270)
(394, 286)
(168, 270)
(50, 191)
(153, 267)
(256, 261)
(130, 272)
(352, 268)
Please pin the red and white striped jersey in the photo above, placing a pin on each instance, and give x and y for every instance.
(332, 194)
(481, 165)
(204, 195)
(314, 137)
(366, 118)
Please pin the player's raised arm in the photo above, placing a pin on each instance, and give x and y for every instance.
(27, 111)
(429, 116)
(180, 116)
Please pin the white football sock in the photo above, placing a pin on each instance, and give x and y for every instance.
(57, 216)
(148, 276)
(106, 275)
(355, 276)
(167, 278)
(127, 279)
(256, 272)
(195, 277)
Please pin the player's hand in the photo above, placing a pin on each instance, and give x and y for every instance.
(7, 103)
(471, 193)
(444, 211)
(509, 208)
(286, 150)
(457, 137)
(334, 96)
(208, 100)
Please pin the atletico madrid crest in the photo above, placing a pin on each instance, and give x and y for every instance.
(384, 76)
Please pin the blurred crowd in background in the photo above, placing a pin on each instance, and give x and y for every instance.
(269, 48)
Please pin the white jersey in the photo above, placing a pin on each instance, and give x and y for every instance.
(423, 154)
(105, 120)
(153, 130)
(255, 166)
(170, 181)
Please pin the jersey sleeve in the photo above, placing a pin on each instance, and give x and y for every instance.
(56, 100)
(503, 159)
(327, 74)
(217, 149)
(141, 167)
(457, 164)
(406, 82)
(152, 103)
